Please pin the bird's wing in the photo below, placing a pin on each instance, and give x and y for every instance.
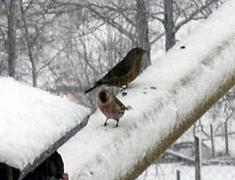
(121, 69)
(123, 107)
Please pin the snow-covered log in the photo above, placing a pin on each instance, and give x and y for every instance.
(34, 124)
(166, 99)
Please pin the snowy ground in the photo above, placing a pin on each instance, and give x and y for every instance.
(168, 172)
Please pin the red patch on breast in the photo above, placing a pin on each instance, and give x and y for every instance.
(103, 96)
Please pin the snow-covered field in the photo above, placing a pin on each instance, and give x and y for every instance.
(168, 172)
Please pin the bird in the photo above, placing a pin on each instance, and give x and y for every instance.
(110, 106)
(124, 72)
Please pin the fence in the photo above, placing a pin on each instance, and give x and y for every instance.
(208, 158)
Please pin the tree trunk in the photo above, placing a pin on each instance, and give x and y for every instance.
(169, 24)
(142, 30)
(11, 37)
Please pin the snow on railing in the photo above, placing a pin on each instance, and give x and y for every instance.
(34, 124)
(166, 99)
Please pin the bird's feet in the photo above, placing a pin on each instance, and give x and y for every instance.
(124, 87)
(117, 123)
(105, 123)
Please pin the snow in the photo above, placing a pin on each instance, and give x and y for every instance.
(168, 172)
(184, 78)
(31, 121)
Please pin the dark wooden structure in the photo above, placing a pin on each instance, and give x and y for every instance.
(51, 168)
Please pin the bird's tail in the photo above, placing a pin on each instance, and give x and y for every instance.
(90, 89)
(97, 84)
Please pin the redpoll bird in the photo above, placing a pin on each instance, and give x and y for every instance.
(124, 72)
(110, 106)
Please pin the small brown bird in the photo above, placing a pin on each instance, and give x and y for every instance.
(124, 72)
(110, 106)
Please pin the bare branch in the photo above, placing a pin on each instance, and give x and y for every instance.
(191, 16)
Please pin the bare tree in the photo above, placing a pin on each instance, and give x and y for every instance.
(28, 43)
(179, 13)
(36, 39)
(169, 24)
(11, 36)
(129, 19)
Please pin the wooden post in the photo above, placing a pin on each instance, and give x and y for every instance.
(194, 129)
(177, 174)
(212, 141)
(226, 138)
(197, 158)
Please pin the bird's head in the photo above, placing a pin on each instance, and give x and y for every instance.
(103, 95)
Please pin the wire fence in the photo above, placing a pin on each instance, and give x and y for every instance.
(186, 172)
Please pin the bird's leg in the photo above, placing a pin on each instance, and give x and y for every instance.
(117, 122)
(124, 87)
(106, 122)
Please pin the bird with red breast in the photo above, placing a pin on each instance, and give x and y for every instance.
(110, 106)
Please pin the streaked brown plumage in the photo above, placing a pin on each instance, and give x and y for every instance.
(124, 72)
(110, 106)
